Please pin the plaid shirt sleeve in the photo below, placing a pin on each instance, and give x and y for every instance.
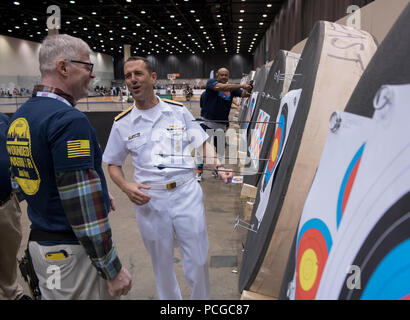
(83, 202)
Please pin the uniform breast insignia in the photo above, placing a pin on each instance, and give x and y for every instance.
(124, 113)
(134, 136)
(173, 102)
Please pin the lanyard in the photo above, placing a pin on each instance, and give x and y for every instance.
(53, 96)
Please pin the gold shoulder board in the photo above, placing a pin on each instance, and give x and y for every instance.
(173, 102)
(122, 114)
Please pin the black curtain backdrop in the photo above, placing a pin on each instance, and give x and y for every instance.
(295, 22)
(193, 66)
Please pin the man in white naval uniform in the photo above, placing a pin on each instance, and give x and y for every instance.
(168, 201)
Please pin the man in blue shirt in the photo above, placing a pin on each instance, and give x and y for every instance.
(10, 225)
(216, 101)
(56, 160)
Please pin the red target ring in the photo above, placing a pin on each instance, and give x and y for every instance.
(314, 243)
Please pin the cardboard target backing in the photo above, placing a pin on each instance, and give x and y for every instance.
(276, 86)
(328, 77)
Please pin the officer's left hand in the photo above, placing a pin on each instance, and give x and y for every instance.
(225, 174)
(112, 201)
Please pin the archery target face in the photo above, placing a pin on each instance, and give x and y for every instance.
(384, 258)
(284, 119)
(370, 258)
(347, 184)
(255, 133)
(262, 131)
(342, 152)
(237, 179)
(277, 145)
(264, 125)
(250, 109)
(258, 135)
(313, 247)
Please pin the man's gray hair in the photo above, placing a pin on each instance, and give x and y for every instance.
(60, 46)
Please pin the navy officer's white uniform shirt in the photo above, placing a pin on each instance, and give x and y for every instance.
(156, 137)
(152, 137)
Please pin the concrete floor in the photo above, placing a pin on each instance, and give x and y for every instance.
(222, 205)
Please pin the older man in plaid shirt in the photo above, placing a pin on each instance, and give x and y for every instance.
(56, 160)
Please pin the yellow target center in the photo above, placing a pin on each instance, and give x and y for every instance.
(308, 269)
(275, 150)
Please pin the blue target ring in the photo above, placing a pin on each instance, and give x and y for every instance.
(397, 286)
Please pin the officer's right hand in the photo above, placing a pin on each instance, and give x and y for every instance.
(121, 284)
(136, 195)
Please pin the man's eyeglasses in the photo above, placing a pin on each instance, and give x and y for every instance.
(90, 66)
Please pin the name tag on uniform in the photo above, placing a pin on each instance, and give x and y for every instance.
(134, 136)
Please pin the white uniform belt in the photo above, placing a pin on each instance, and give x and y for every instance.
(177, 182)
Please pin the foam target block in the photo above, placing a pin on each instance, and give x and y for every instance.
(261, 134)
(245, 101)
(328, 76)
(260, 78)
(256, 98)
(258, 86)
(390, 65)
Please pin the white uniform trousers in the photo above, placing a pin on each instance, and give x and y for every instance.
(176, 214)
